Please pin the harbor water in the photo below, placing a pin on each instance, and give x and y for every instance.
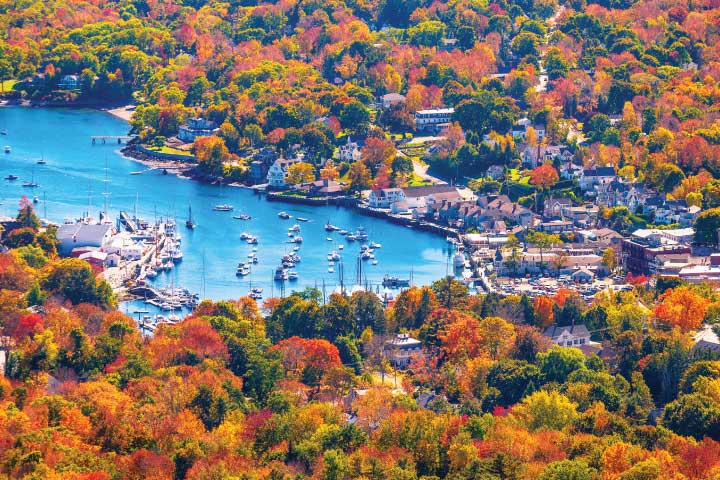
(78, 176)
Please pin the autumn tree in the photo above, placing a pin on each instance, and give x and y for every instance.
(544, 176)
(359, 176)
(300, 172)
(681, 307)
(211, 153)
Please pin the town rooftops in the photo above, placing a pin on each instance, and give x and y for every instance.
(436, 111)
(706, 338)
(403, 340)
(82, 231)
(599, 172)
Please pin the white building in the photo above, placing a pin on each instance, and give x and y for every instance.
(390, 99)
(74, 235)
(350, 152)
(278, 172)
(402, 349)
(570, 336)
(385, 197)
(434, 119)
(196, 127)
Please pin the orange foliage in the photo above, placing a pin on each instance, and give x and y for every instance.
(681, 307)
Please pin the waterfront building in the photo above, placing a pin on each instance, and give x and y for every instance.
(278, 172)
(384, 197)
(74, 235)
(197, 127)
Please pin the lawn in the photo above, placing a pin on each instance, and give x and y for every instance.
(8, 85)
(170, 150)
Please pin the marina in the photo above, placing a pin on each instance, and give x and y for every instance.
(212, 248)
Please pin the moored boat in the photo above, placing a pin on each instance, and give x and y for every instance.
(223, 208)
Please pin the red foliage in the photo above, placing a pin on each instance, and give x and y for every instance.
(28, 326)
(636, 280)
(299, 353)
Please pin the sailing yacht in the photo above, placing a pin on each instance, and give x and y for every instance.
(189, 222)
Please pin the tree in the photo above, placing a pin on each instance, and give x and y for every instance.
(450, 292)
(568, 470)
(329, 171)
(681, 307)
(359, 176)
(544, 176)
(542, 241)
(608, 258)
(211, 153)
(26, 214)
(300, 172)
(528, 343)
(498, 336)
(462, 339)
(693, 415)
(550, 410)
(74, 280)
(707, 226)
(559, 362)
(544, 312)
(377, 152)
(354, 116)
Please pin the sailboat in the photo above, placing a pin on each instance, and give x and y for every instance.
(31, 183)
(189, 222)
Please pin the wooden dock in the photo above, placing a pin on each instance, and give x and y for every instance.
(105, 138)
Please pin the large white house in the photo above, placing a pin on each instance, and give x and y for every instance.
(197, 127)
(385, 197)
(278, 172)
(569, 336)
(350, 152)
(434, 119)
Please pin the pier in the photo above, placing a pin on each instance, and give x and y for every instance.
(105, 138)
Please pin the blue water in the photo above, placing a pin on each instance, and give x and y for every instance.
(73, 181)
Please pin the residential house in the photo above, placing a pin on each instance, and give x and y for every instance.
(278, 172)
(260, 165)
(706, 339)
(569, 336)
(350, 152)
(592, 177)
(555, 207)
(540, 154)
(69, 82)
(519, 130)
(390, 99)
(74, 235)
(402, 348)
(556, 226)
(496, 172)
(433, 119)
(197, 127)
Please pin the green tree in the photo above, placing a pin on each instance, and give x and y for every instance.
(542, 241)
(450, 292)
(693, 415)
(707, 226)
(551, 410)
(559, 362)
(568, 470)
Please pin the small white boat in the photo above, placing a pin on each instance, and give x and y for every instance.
(375, 245)
(374, 262)
(294, 228)
(283, 215)
(7, 148)
(252, 241)
(292, 275)
(329, 239)
(301, 219)
(244, 236)
(295, 249)
(223, 208)
(139, 172)
(36, 199)
(331, 270)
(341, 247)
(297, 240)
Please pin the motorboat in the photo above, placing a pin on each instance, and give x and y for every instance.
(42, 161)
(374, 262)
(343, 232)
(331, 269)
(329, 227)
(350, 237)
(284, 215)
(295, 249)
(252, 241)
(223, 208)
(139, 172)
(292, 275)
(333, 256)
(244, 236)
(255, 295)
(361, 234)
(242, 271)
(375, 245)
(367, 255)
(297, 240)
(294, 228)
(301, 219)
(7, 149)
(394, 282)
(329, 239)
(341, 247)
(11, 177)
(280, 274)
(242, 216)
(30, 184)
(36, 199)
(255, 260)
